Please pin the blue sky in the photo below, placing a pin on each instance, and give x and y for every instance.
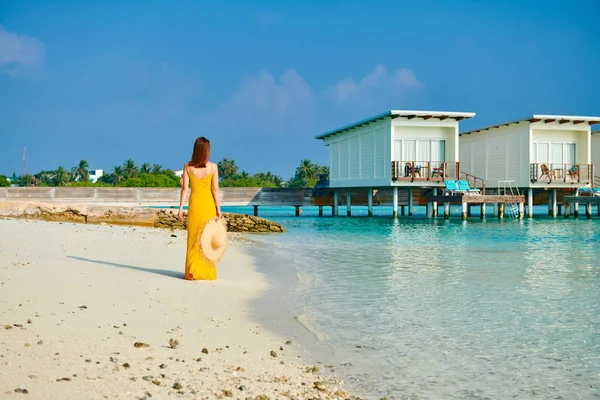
(110, 80)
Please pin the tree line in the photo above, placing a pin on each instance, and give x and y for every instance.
(306, 175)
(129, 174)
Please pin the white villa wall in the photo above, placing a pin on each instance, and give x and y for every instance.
(498, 154)
(596, 152)
(361, 157)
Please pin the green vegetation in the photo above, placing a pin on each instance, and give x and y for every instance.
(153, 175)
(4, 182)
(306, 175)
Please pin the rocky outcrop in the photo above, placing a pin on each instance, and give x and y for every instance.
(235, 222)
(151, 217)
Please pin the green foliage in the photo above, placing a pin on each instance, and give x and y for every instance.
(24, 180)
(4, 182)
(61, 177)
(81, 172)
(153, 175)
(151, 180)
(307, 174)
(227, 169)
(88, 184)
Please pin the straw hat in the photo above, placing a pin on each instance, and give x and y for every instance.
(213, 240)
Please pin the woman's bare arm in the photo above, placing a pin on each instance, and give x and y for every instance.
(184, 189)
(215, 189)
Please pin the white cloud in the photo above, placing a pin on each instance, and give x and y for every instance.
(269, 102)
(19, 52)
(377, 84)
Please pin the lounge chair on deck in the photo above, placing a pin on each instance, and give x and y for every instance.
(463, 186)
(545, 172)
(451, 187)
(573, 172)
(590, 191)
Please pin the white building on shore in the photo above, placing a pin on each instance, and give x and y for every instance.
(95, 174)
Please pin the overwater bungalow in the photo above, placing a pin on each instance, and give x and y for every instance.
(395, 149)
(542, 152)
(596, 157)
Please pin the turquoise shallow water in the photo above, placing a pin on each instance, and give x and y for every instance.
(443, 309)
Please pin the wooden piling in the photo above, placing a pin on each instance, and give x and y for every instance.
(370, 202)
(482, 212)
(256, 211)
(395, 204)
(446, 210)
(320, 211)
(464, 212)
(297, 211)
(501, 211)
(521, 210)
(334, 210)
(348, 203)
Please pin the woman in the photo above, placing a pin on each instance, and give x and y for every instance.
(203, 206)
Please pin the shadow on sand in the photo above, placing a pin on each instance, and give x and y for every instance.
(164, 272)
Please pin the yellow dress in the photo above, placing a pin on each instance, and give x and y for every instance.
(201, 209)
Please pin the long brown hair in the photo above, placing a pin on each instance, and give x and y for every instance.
(201, 152)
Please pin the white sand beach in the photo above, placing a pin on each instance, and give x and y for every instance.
(75, 298)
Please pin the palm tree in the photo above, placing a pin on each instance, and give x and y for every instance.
(227, 168)
(130, 169)
(323, 169)
(145, 168)
(44, 177)
(157, 169)
(24, 180)
(306, 172)
(61, 176)
(118, 175)
(81, 172)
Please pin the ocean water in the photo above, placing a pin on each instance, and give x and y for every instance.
(435, 309)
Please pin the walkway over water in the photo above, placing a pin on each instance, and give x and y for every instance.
(402, 200)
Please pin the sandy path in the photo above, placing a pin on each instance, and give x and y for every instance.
(75, 298)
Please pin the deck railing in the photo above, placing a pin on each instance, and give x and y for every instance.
(435, 171)
(561, 173)
(474, 182)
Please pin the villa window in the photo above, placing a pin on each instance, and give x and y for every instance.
(554, 153)
(422, 150)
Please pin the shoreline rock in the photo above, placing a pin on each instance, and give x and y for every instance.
(131, 216)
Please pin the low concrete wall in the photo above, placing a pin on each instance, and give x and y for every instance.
(154, 196)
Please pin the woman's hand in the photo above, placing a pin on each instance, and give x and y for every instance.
(180, 215)
(219, 215)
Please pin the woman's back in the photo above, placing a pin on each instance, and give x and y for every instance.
(204, 205)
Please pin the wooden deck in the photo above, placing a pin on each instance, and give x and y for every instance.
(476, 199)
(581, 199)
